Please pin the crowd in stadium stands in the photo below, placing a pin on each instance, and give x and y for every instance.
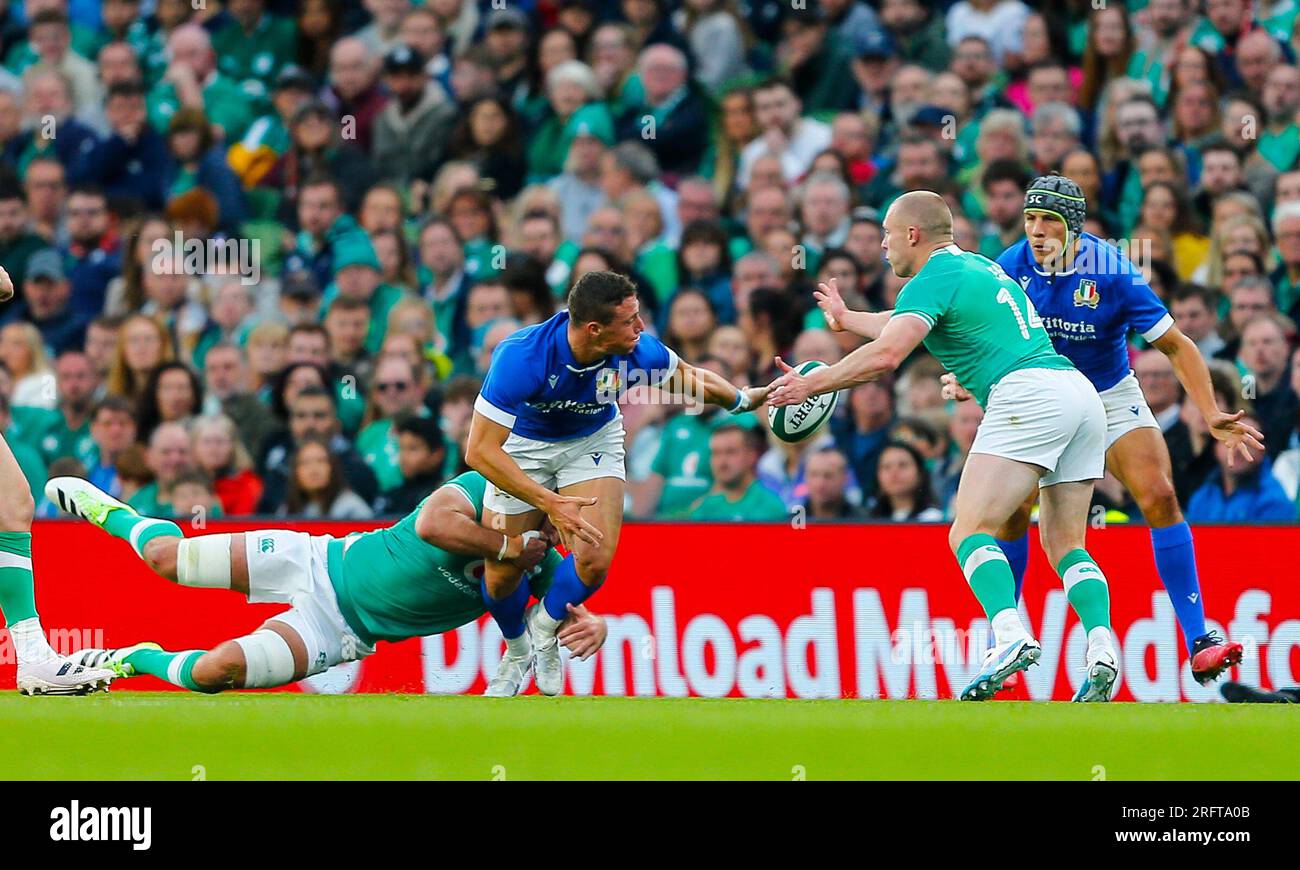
(263, 250)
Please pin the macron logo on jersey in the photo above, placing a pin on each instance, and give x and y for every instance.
(553, 380)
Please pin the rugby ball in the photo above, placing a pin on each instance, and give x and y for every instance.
(792, 423)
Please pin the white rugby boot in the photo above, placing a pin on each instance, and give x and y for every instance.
(511, 675)
(548, 666)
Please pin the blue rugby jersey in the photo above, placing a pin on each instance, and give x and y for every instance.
(1089, 310)
(538, 390)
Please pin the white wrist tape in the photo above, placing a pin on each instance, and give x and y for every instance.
(505, 544)
(742, 404)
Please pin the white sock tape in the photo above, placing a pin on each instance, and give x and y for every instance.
(268, 661)
(204, 562)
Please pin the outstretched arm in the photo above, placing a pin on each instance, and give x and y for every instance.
(712, 388)
(839, 317)
(898, 339)
(449, 522)
(1194, 375)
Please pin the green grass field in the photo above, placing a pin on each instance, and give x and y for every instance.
(129, 735)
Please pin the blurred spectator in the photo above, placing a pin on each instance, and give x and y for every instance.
(1196, 314)
(317, 488)
(113, 429)
(736, 494)
(412, 129)
(93, 250)
(1266, 353)
(1243, 493)
(903, 490)
(168, 456)
(193, 498)
(861, 434)
(24, 356)
(172, 394)
(28, 458)
(197, 161)
(783, 132)
(192, 81)
(397, 389)
(17, 242)
(311, 413)
(223, 459)
(45, 184)
(47, 303)
(129, 160)
(827, 478)
(68, 430)
(420, 458)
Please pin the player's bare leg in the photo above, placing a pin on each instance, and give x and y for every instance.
(41, 671)
(1062, 528)
(1140, 459)
(577, 578)
(506, 598)
(992, 489)
(276, 651)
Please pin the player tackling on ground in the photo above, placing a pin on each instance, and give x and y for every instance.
(41, 671)
(548, 436)
(1044, 428)
(1091, 297)
(412, 579)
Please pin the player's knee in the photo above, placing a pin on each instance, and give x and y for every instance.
(1159, 503)
(160, 555)
(219, 668)
(16, 511)
(592, 568)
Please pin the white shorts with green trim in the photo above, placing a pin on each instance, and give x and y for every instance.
(1051, 418)
(557, 464)
(1126, 410)
(290, 568)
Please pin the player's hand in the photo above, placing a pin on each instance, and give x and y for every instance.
(6, 286)
(1235, 435)
(789, 389)
(565, 512)
(952, 389)
(582, 632)
(549, 533)
(527, 550)
(832, 305)
(756, 395)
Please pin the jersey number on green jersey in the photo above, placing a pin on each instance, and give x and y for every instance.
(1005, 296)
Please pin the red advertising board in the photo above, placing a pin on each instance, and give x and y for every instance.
(855, 611)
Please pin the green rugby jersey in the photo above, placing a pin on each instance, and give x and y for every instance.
(982, 325)
(392, 585)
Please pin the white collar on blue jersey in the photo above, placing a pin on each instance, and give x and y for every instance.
(567, 351)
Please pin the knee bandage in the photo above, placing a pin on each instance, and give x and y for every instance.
(204, 561)
(268, 661)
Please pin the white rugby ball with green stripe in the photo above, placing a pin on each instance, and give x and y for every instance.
(796, 422)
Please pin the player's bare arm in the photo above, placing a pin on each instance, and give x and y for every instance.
(898, 339)
(448, 521)
(1194, 375)
(484, 452)
(840, 318)
(714, 389)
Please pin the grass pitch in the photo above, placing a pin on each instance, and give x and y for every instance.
(177, 736)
